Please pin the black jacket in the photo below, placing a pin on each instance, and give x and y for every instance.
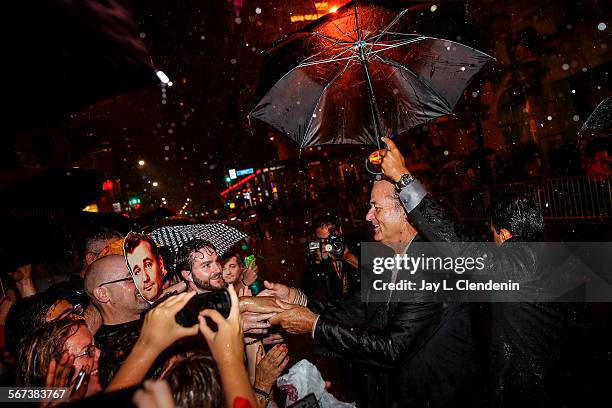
(528, 341)
(406, 354)
(323, 278)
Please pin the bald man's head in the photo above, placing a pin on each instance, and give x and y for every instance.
(109, 285)
(106, 269)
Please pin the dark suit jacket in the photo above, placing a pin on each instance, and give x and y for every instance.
(406, 354)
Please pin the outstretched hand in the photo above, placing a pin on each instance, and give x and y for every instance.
(393, 162)
(297, 320)
(226, 344)
(160, 329)
(59, 373)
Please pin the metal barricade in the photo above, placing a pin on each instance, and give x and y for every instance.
(560, 198)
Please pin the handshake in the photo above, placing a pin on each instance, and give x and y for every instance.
(278, 305)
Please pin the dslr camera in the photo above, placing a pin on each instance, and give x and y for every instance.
(334, 244)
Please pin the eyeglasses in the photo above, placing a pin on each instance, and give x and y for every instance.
(75, 310)
(90, 351)
(116, 281)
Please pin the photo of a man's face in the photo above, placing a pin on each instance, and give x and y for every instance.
(146, 267)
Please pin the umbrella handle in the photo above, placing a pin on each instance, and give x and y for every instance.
(378, 175)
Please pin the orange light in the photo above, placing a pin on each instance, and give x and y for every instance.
(375, 158)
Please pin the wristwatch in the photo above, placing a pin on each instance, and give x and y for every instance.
(404, 181)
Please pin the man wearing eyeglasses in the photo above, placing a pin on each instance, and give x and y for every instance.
(109, 285)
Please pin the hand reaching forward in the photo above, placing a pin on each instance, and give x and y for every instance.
(226, 344)
(160, 329)
(297, 320)
(270, 367)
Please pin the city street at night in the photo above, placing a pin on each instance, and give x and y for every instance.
(260, 203)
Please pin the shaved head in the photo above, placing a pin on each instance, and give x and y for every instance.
(111, 289)
(105, 269)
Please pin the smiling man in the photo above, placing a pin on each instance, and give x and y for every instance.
(146, 264)
(199, 265)
(404, 353)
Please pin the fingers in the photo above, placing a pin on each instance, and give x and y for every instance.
(178, 301)
(235, 309)
(256, 317)
(249, 325)
(285, 305)
(273, 338)
(188, 331)
(206, 331)
(50, 379)
(390, 144)
(213, 315)
(63, 370)
(257, 331)
(278, 318)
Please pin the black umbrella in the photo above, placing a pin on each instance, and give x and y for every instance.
(353, 76)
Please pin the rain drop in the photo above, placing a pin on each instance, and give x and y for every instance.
(474, 94)
(166, 148)
(463, 68)
(433, 8)
(238, 20)
(575, 118)
(395, 91)
(258, 10)
(233, 60)
(573, 91)
(565, 67)
(144, 35)
(601, 26)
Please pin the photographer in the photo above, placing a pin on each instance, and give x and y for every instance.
(330, 265)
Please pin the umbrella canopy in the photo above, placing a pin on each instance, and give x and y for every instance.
(223, 237)
(600, 121)
(353, 76)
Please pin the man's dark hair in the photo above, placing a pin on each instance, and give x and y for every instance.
(230, 255)
(133, 239)
(26, 315)
(520, 214)
(43, 344)
(194, 381)
(184, 258)
(325, 220)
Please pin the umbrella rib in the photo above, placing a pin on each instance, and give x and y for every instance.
(418, 78)
(330, 83)
(352, 57)
(333, 41)
(388, 47)
(388, 27)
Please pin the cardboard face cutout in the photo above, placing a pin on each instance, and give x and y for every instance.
(146, 266)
